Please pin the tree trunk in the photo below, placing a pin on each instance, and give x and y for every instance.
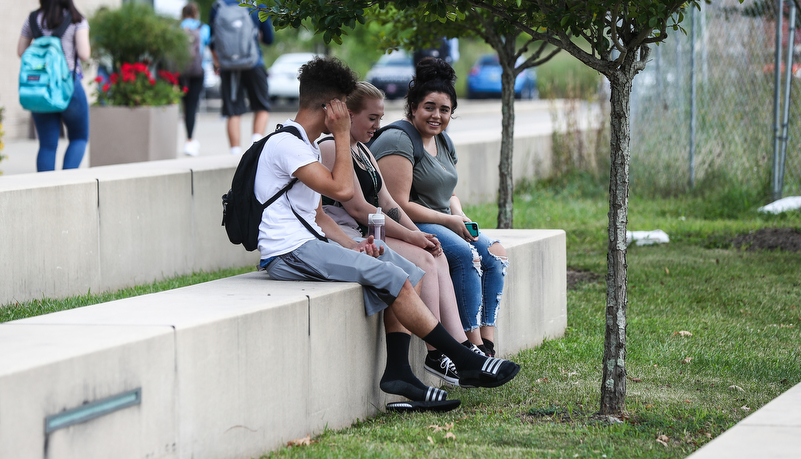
(506, 186)
(613, 385)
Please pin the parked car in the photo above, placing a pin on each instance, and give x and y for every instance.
(282, 76)
(392, 74)
(484, 79)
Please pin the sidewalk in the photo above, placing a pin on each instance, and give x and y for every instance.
(210, 131)
(475, 119)
(772, 432)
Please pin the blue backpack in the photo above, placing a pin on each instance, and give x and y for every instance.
(45, 82)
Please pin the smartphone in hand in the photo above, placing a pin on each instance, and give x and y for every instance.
(472, 228)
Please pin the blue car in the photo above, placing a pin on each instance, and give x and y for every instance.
(484, 80)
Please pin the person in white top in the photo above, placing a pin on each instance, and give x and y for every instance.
(290, 252)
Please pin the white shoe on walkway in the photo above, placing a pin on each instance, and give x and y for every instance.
(192, 148)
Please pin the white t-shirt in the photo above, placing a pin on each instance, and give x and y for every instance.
(280, 231)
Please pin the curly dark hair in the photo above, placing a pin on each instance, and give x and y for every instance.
(323, 79)
(431, 75)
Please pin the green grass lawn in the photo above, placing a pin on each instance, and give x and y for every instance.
(739, 313)
(741, 310)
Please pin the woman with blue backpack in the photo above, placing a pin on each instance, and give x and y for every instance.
(56, 18)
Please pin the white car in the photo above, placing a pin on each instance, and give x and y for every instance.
(282, 77)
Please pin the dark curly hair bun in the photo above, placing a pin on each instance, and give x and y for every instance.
(434, 69)
(431, 75)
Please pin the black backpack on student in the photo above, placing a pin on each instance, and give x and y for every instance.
(242, 212)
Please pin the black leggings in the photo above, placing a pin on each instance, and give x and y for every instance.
(191, 100)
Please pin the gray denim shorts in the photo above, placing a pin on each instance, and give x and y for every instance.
(382, 277)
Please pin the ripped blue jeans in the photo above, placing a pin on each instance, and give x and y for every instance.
(478, 286)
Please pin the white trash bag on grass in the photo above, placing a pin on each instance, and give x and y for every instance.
(647, 237)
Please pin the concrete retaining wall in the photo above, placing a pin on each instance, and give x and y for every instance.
(104, 228)
(231, 368)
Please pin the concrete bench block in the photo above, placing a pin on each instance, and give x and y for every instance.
(144, 220)
(211, 248)
(535, 293)
(480, 156)
(46, 369)
(48, 236)
(257, 362)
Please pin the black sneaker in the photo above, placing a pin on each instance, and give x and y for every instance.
(442, 367)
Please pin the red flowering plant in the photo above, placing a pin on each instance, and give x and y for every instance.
(135, 86)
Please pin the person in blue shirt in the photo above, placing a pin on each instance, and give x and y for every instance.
(234, 83)
(193, 82)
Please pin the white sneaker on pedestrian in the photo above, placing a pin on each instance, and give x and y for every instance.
(255, 137)
(192, 148)
(236, 151)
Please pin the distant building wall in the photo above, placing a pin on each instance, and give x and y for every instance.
(17, 121)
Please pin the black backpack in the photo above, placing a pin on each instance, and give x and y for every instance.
(242, 212)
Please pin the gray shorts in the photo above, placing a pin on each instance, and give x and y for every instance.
(382, 277)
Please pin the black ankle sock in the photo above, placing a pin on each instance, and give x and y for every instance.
(398, 377)
(467, 344)
(490, 345)
(484, 349)
(461, 356)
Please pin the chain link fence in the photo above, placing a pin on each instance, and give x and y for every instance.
(706, 118)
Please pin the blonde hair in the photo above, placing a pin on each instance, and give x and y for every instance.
(364, 91)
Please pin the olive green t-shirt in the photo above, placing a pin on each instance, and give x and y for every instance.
(434, 177)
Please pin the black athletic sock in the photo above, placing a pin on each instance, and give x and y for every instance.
(484, 349)
(461, 356)
(398, 377)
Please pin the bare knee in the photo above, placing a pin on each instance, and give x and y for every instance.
(497, 249)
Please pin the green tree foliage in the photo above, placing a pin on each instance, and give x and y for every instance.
(415, 29)
(135, 33)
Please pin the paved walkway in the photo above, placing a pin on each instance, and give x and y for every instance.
(475, 119)
(771, 432)
(210, 131)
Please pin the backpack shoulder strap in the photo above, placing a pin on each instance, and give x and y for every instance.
(59, 32)
(448, 142)
(409, 129)
(36, 31)
(294, 131)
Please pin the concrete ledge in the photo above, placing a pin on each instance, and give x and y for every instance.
(236, 367)
(104, 228)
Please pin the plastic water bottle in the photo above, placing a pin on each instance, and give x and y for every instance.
(375, 224)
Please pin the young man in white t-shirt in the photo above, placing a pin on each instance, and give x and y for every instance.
(290, 251)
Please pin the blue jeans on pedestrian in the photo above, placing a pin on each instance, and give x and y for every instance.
(48, 127)
(478, 286)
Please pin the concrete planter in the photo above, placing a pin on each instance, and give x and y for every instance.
(119, 135)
